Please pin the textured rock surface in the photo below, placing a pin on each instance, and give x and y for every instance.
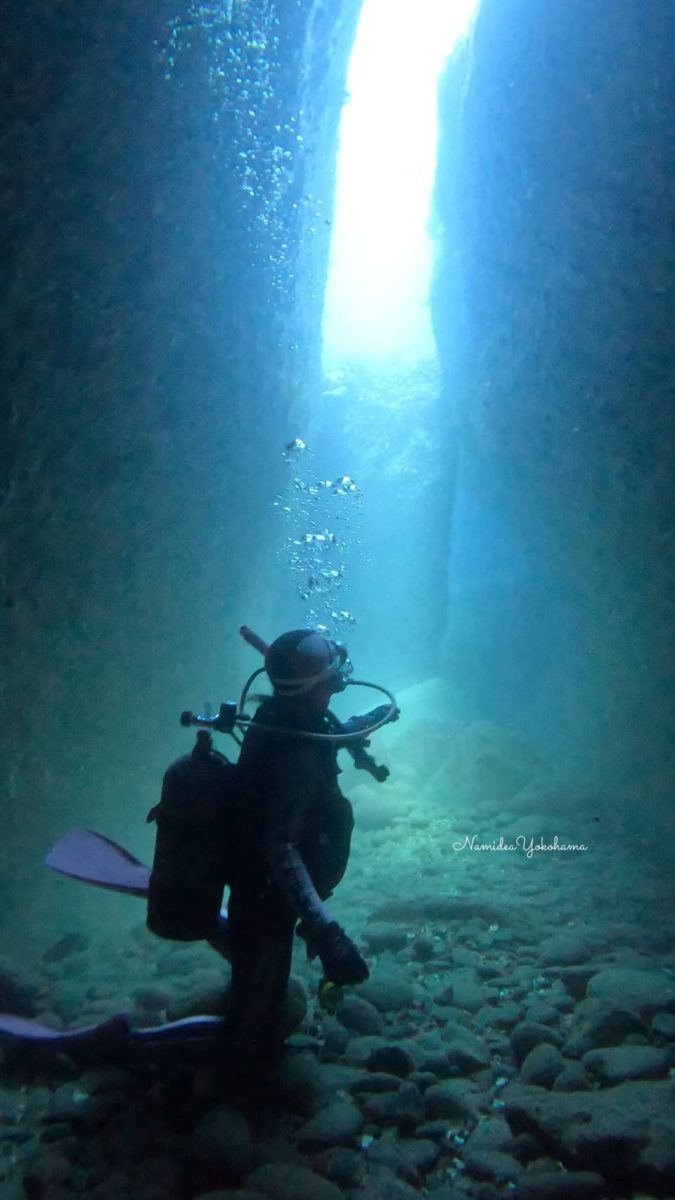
(626, 1133)
(645, 991)
(285, 1181)
(161, 298)
(553, 308)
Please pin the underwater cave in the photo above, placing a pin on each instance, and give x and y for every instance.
(354, 314)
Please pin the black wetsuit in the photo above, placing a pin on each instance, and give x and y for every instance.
(294, 848)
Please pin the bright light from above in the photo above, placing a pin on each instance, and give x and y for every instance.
(378, 284)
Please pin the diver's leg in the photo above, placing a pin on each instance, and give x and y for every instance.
(261, 951)
(221, 940)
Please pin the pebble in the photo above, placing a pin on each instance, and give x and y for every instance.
(212, 1000)
(572, 1078)
(383, 1154)
(422, 1153)
(423, 949)
(105, 1079)
(645, 991)
(529, 1034)
(565, 949)
(575, 980)
(625, 1132)
(542, 1065)
(287, 1181)
(541, 1013)
(154, 999)
(559, 997)
(663, 1026)
(597, 1023)
(342, 1166)
(526, 1148)
(302, 1079)
(71, 1103)
(382, 1183)
(455, 1099)
(391, 1059)
(336, 1125)
(334, 1037)
(375, 1083)
(359, 1049)
(402, 1110)
(337, 1077)
(17, 995)
(493, 1165)
(388, 993)
(618, 1063)
(70, 943)
(467, 1054)
(504, 1015)
(433, 1062)
(491, 1133)
(222, 1143)
(561, 1185)
(179, 962)
(463, 990)
(359, 1016)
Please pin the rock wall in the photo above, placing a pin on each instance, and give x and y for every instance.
(553, 307)
(163, 166)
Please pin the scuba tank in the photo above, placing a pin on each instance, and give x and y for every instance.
(194, 843)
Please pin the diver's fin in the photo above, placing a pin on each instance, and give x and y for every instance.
(89, 856)
(114, 1033)
(187, 1029)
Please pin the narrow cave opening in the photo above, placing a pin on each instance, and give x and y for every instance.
(377, 294)
(382, 412)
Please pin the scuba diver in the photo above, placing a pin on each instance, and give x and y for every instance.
(273, 827)
(296, 839)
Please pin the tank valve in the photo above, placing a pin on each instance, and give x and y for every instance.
(223, 723)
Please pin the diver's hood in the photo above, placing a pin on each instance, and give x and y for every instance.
(305, 658)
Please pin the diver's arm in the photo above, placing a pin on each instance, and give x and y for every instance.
(290, 873)
(292, 787)
(339, 956)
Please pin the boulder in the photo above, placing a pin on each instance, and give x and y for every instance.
(359, 1015)
(287, 1181)
(391, 1059)
(619, 1063)
(389, 993)
(528, 1034)
(561, 1185)
(456, 1099)
(542, 1065)
(600, 1022)
(565, 949)
(222, 1143)
(338, 1124)
(646, 992)
(626, 1133)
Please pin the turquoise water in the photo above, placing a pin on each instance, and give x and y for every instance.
(490, 533)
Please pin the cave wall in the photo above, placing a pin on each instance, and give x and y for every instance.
(163, 166)
(553, 308)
